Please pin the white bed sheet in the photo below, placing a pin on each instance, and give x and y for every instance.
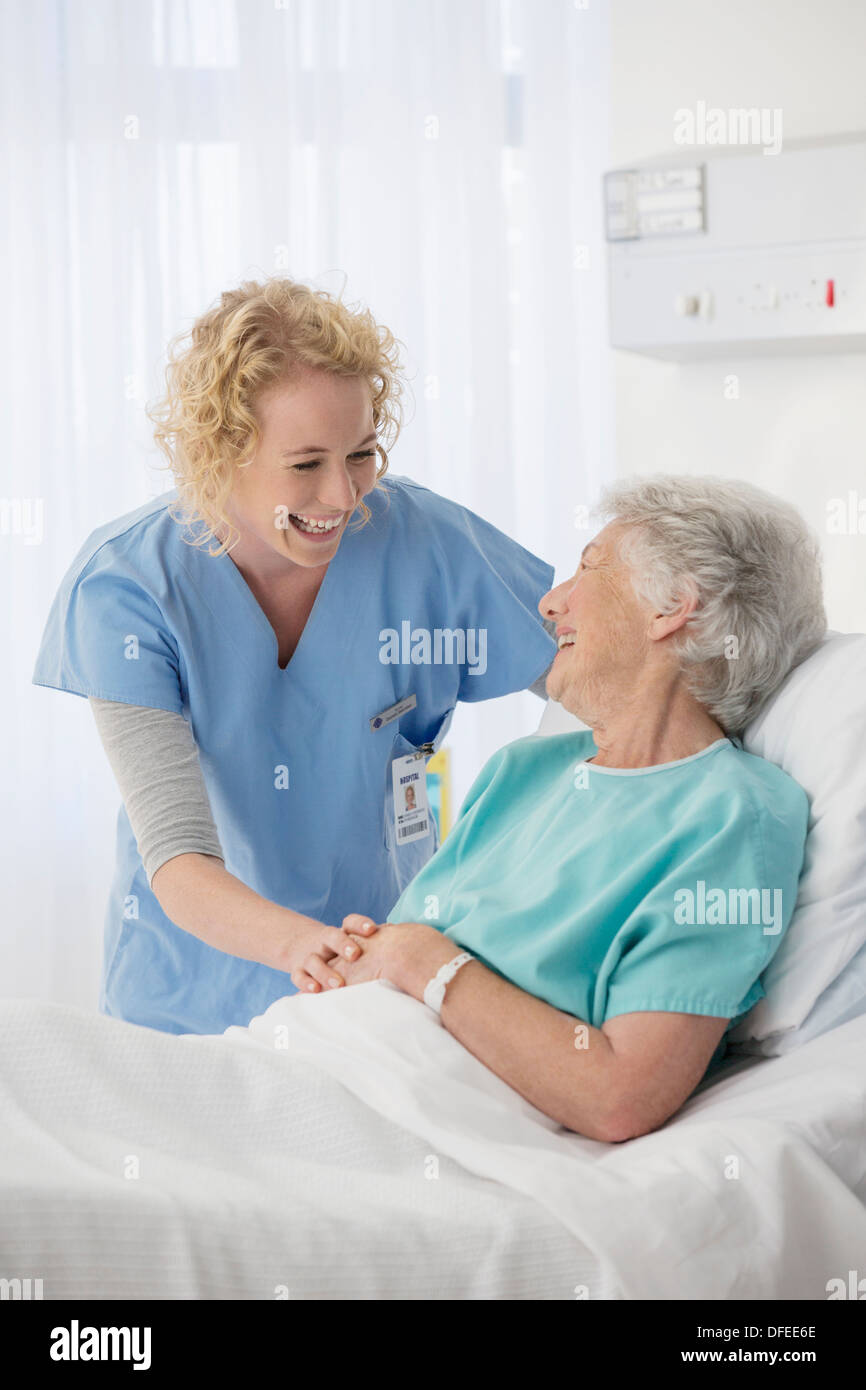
(295, 1155)
(260, 1177)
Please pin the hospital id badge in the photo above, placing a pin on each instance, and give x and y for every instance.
(411, 811)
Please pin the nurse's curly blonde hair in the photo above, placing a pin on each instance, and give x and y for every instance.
(258, 336)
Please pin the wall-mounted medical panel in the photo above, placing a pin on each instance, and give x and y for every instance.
(740, 253)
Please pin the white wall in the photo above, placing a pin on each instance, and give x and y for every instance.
(799, 425)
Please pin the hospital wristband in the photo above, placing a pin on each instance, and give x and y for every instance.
(434, 990)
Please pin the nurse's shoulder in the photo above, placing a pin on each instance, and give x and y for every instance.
(467, 575)
(419, 510)
(409, 513)
(130, 543)
(107, 635)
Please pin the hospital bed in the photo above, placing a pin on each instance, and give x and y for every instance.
(345, 1146)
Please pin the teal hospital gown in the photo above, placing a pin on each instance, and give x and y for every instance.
(608, 891)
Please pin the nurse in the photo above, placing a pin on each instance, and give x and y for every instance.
(272, 650)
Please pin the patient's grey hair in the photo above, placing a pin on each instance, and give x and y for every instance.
(754, 566)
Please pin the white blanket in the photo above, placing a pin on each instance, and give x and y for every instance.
(277, 1157)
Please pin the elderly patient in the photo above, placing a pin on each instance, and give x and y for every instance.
(621, 891)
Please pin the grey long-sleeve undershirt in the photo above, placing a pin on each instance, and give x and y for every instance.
(155, 760)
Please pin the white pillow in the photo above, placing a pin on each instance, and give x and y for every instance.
(814, 728)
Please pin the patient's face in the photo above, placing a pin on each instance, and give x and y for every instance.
(607, 623)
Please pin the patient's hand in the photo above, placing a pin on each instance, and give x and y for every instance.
(407, 954)
(378, 960)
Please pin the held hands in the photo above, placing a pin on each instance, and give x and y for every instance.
(313, 962)
(406, 953)
(380, 958)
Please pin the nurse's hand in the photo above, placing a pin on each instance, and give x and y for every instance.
(317, 948)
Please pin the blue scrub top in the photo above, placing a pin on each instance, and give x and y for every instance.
(300, 786)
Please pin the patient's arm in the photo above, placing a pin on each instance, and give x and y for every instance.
(610, 1083)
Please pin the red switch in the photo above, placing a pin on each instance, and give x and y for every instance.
(830, 296)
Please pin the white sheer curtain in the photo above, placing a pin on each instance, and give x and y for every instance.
(439, 158)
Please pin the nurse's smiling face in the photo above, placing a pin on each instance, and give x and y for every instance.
(315, 461)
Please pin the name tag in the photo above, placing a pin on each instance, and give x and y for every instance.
(393, 712)
(411, 810)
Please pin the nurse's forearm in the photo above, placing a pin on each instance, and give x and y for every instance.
(199, 894)
(156, 763)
